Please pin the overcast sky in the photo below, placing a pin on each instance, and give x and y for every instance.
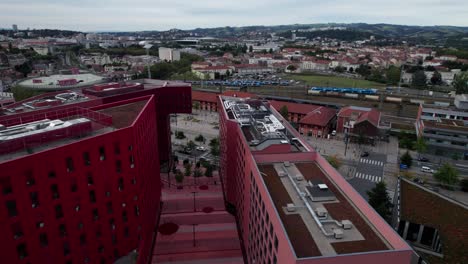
(135, 15)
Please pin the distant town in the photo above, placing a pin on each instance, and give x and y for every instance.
(299, 141)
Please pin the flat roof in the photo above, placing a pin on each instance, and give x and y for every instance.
(311, 234)
(51, 82)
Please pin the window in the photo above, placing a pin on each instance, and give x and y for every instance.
(276, 243)
(137, 210)
(121, 184)
(427, 236)
(66, 248)
(133, 181)
(101, 249)
(130, 148)
(118, 166)
(90, 179)
(34, 199)
(70, 166)
(55, 192)
(43, 240)
(112, 223)
(124, 216)
(17, 230)
(62, 230)
(21, 250)
(102, 153)
(86, 159)
(92, 196)
(40, 224)
(114, 239)
(132, 161)
(52, 174)
(413, 231)
(74, 187)
(108, 194)
(82, 239)
(116, 253)
(58, 211)
(30, 181)
(11, 206)
(95, 214)
(126, 232)
(116, 148)
(77, 208)
(80, 225)
(6, 185)
(109, 207)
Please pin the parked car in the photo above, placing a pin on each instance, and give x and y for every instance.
(333, 133)
(201, 148)
(365, 154)
(423, 159)
(427, 169)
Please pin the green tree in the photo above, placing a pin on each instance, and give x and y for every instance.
(379, 200)
(284, 112)
(393, 75)
(291, 68)
(446, 174)
(339, 69)
(191, 144)
(334, 161)
(196, 105)
(200, 138)
(419, 80)
(214, 144)
(250, 49)
(24, 68)
(209, 171)
(188, 169)
(420, 145)
(197, 173)
(363, 70)
(436, 78)
(407, 159)
(460, 83)
(179, 177)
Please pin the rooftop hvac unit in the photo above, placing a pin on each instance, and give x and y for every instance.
(299, 178)
(323, 187)
(290, 207)
(338, 233)
(287, 164)
(347, 224)
(321, 211)
(282, 174)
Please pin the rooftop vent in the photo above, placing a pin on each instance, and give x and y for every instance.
(282, 174)
(338, 233)
(323, 187)
(287, 164)
(347, 224)
(299, 178)
(321, 211)
(290, 207)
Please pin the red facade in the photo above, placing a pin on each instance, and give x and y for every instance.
(95, 198)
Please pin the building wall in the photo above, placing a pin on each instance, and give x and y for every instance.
(109, 205)
(421, 206)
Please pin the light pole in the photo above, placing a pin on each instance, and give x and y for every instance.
(148, 47)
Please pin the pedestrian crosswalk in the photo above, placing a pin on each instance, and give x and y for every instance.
(371, 162)
(368, 177)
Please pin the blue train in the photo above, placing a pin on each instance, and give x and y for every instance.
(241, 83)
(344, 90)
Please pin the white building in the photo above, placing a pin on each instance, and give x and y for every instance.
(168, 54)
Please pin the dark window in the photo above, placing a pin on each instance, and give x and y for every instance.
(95, 214)
(130, 148)
(55, 192)
(118, 166)
(30, 181)
(17, 230)
(74, 187)
(126, 231)
(137, 210)
(108, 194)
(102, 153)
(413, 231)
(124, 216)
(70, 166)
(92, 196)
(11, 206)
(116, 148)
(58, 211)
(77, 208)
(80, 225)
(132, 161)
(116, 253)
(62, 230)
(112, 223)
(109, 207)
(52, 174)
(82, 239)
(276, 243)
(101, 249)
(66, 248)
(39, 224)
(22, 252)
(86, 159)
(121, 184)
(43, 240)
(6, 185)
(401, 227)
(34, 199)
(103, 261)
(134, 181)
(90, 179)
(427, 236)
(114, 239)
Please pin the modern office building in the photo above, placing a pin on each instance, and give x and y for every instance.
(291, 205)
(80, 173)
(169, 54)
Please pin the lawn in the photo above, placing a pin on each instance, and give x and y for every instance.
(335, 81)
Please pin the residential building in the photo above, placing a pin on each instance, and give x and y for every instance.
(359, 122)
(291, 205)
(433, 221)
(168, 54)
(79, 173)
(245, 69)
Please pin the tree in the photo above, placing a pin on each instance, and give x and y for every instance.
(209, 171)
(446, 174)
(179, 135)
(284, 112)
(24, 68)
(334, 161)
(197, 173)
(393, 75)
(191, 144)
(460, 83)
(200, 138)
(363, 70)
(250, 49)
(196, 105)
(436, 78)
(421, 146)
(407, 159)
(188, 170)
(419, 80)
(379, 200)
(291, 68)
(179, 177)
(339, 69)
(214, 144)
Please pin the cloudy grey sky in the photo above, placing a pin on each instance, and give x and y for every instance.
(133, 15)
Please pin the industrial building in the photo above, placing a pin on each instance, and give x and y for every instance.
(80, 172)
(291, 205)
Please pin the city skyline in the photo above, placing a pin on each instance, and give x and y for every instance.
(163, 15)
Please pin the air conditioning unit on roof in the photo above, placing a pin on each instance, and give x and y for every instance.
(287, 164)
(282, 174)
(299, 178)
(290, 207)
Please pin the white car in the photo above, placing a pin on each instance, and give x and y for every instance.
(427, 169)
(201, 148)
(333, 133)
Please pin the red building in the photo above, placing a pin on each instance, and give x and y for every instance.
(364, 121)
(291, 205)
(81, 180)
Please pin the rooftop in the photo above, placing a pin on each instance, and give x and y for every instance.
(447, 124)
(52, 82)
(260, 126)
(317, 217)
